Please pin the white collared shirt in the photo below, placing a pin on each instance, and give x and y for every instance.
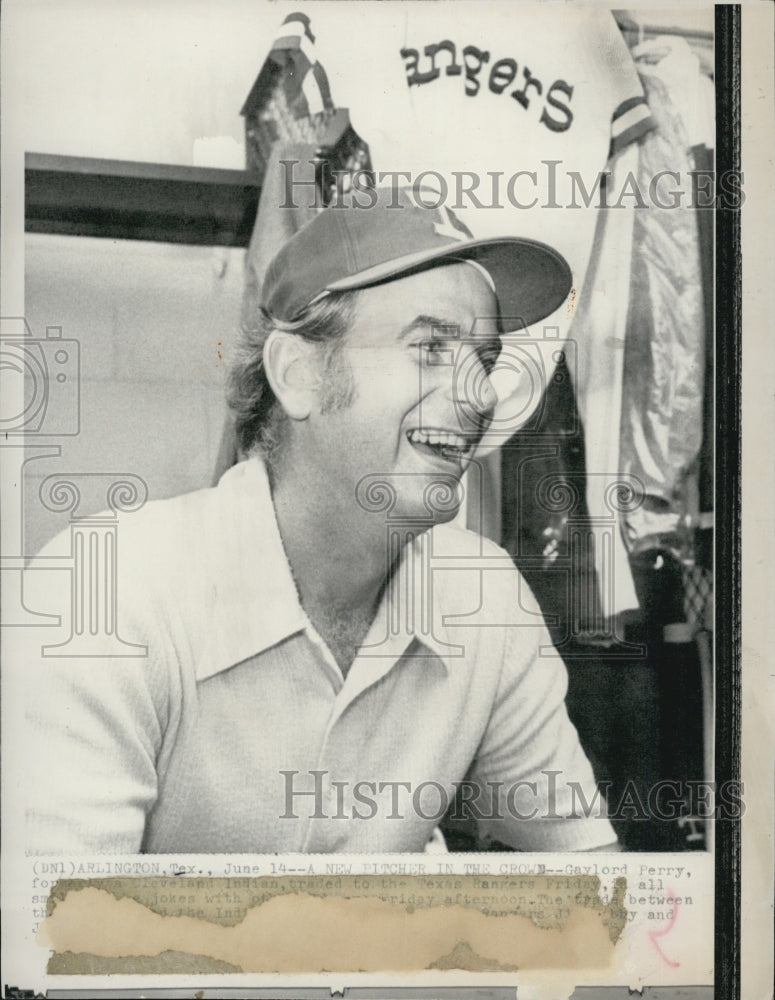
(237, 733)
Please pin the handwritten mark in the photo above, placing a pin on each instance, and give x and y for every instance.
(658, 934)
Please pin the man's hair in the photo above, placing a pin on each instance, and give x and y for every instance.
(259, 419)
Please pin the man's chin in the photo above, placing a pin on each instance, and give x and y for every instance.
(437, 498)
(416, 500)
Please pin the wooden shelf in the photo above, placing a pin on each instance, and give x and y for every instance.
(118, 199)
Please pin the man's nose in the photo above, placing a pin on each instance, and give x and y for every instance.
(471, 387)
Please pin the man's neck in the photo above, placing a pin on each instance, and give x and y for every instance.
(338, 556)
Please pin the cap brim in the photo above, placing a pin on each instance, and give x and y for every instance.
(531, 279)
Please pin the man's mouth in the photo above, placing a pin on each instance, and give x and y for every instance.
(447, 445)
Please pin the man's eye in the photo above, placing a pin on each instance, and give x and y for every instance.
(436, 352)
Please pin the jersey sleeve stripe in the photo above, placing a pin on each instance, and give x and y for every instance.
(628, 105)
(295, 37)
(630, 121)
(299, 19)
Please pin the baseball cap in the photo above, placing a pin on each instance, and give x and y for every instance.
(346, 247)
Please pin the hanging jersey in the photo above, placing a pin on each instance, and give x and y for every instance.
(509, 111)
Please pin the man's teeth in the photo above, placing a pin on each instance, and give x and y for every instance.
(441, 439)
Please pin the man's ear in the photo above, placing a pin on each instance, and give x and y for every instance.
(289, 367)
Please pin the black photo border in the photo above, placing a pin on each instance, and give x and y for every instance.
(728, 495)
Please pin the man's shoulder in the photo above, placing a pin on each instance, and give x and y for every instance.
(169, 539)
(172, 520)
(481, 569)
(452, 539)
(156, 526)
(197, 516)
(200, 535)
(171, 543)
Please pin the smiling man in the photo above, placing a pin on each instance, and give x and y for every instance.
(330, 661)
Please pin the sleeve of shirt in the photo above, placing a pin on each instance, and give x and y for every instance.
(303, 83)
(538, 789)
(631, 117)
(94, 724)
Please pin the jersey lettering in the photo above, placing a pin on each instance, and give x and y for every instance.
(504, 74)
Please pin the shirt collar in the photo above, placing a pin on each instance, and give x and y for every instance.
(256, 604)
(255, 601)
(411, 608)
